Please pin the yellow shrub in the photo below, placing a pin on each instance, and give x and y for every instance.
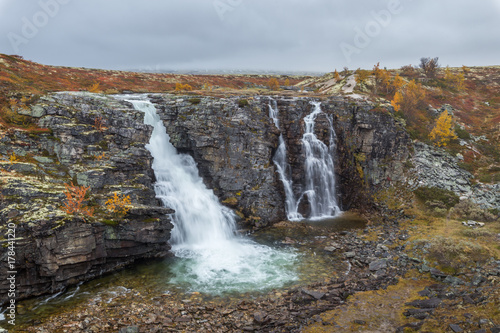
(118, 205)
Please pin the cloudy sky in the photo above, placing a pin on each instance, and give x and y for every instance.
(289, 35)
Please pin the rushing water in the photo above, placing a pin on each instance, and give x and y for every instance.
(284, 170)
(319, 177)
(214, 258)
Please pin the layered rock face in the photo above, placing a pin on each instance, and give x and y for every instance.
(371, 147)
(233, 141)
(54, 249)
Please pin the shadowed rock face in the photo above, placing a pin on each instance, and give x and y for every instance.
(231, 140)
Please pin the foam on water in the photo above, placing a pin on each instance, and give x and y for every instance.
(213, 259)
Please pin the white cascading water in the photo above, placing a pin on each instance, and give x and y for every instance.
(319, 169)
(284, 169)
(319, 177)
(214, 258)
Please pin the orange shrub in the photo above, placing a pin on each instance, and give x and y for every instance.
(75, 200)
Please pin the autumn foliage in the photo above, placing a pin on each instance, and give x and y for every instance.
(457, 81)
(118, 205)
(273, 84)
(336, 75)
(183, 87)
(75, 200)
(408, 99)
(99, 124)
(443, 132)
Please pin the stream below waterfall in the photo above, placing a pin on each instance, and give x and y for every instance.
(160, 278)
(210, 258)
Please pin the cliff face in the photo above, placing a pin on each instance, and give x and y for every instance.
(233, 140)
(371, 147)
(54, 249)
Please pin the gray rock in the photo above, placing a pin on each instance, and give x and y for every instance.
(456, 328)
(484, 322)
(316, 294)
(430, 303)
(453, 280)
(378, 264)
(349, 255)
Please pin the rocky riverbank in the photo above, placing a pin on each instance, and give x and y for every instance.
(379, 259)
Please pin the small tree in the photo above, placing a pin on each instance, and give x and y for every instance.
(429, 66)
(455, 80)
(118, 204)
(408, 71)
(336, 75)
(397, 101)
(287, 82)
(273, 84)
(75, 200)
(180, 87)
(443, 132)
(382, 79)
(408, 99)
(397, 83)
(95, 88)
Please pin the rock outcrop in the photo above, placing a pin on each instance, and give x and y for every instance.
(434, 167)
(54, 249)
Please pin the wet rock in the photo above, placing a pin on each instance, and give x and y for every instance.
(260, 316)
(316, 294)
(130, 329)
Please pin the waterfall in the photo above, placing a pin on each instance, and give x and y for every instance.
(213, 258)
(283, 168)
(319, 170)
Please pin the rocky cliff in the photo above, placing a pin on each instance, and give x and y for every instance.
(54, 249)
(98, 141)
(233, 141)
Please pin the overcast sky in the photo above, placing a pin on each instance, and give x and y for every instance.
(296, 35)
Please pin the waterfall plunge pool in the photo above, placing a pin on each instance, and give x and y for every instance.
(210, 260)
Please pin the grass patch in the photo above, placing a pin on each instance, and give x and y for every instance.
(195, 101)
(243, 103)
(431, 195)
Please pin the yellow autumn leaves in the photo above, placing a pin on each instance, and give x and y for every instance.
(443, 132)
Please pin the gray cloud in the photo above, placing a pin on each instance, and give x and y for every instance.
(250, 34)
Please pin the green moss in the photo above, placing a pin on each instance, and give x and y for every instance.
(110, 222)
(104, 145)
(462, 133)
(231, 201)
(195, 101)
(434, 194)
(242, 103)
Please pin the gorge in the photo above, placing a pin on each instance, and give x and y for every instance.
(233, 148)
(246, 163)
